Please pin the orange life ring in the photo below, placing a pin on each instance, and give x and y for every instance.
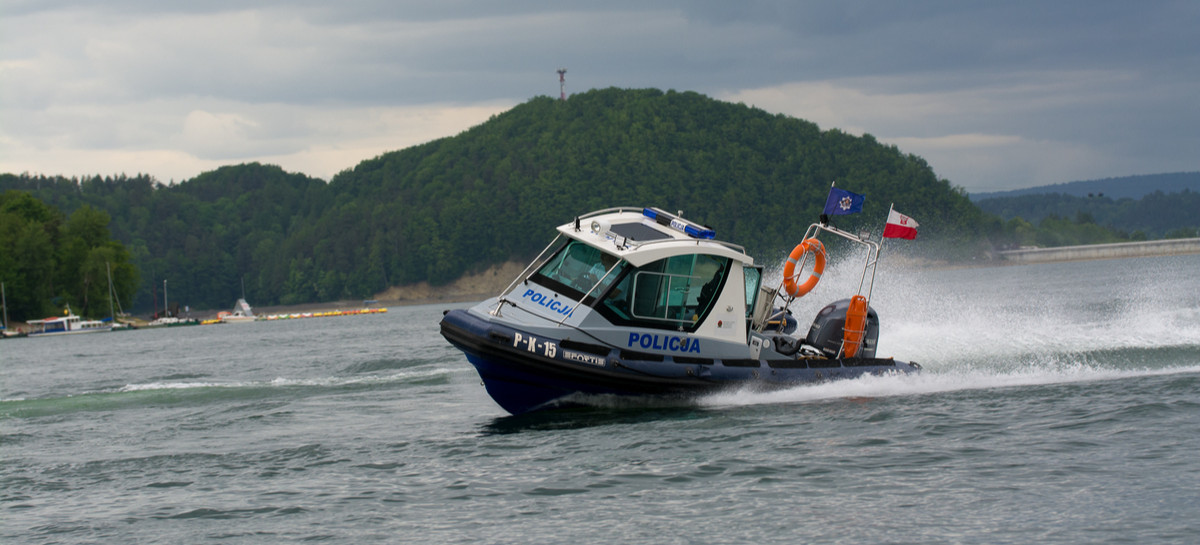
(856, 326)
(799, 253)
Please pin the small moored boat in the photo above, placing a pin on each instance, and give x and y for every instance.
(241, 313)
(641, 302)
(67, 325)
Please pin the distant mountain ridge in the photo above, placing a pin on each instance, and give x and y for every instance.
(1133, 187)
(1138, 207)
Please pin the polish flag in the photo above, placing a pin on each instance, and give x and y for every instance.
(900, 226)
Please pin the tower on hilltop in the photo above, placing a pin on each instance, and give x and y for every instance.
(562, 83)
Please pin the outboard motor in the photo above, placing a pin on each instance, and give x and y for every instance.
(827, 330)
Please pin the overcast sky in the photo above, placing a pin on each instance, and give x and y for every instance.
(994, 94)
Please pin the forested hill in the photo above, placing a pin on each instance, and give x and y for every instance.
(493, 193)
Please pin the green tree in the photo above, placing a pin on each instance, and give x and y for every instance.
(43, 258)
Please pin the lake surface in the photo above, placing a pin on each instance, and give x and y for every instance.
(1060, 403)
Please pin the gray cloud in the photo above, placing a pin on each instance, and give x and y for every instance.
(995, 95)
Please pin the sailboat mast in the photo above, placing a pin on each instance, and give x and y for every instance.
(111, 312)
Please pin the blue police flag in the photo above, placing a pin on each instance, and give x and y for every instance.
(841, 202)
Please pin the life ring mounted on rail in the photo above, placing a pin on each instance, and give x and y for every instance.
(799, 254)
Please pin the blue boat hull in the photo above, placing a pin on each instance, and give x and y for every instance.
(524, 372)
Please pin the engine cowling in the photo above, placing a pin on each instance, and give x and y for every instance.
(828, 328)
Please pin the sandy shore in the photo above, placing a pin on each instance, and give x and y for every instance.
(472, 287)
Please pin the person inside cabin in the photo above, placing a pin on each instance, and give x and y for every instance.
(580, 267)
(598, 271)
(572, 264)
(710, 288)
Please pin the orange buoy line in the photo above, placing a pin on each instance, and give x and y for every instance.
(299, 315)
(325, 314)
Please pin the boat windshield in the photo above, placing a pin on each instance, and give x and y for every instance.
(576, 268)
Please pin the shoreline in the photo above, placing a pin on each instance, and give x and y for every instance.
(471, 287)
(493, 280)
(480, 286)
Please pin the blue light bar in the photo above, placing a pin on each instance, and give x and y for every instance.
(677, 223)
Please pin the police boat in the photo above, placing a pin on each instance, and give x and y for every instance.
(642, 302)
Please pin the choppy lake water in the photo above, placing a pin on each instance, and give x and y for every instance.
(1060, 403)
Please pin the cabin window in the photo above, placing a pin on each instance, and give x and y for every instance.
(672, 293)
(578, 268)
(753, 276)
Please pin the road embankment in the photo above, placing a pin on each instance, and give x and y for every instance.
(1149, 248)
